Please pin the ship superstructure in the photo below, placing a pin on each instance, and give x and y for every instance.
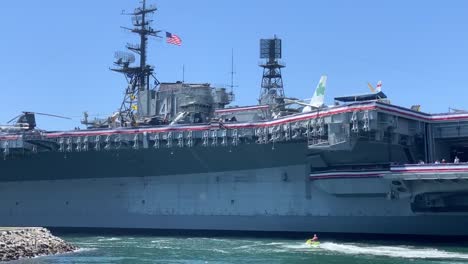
(175, 157)
(147, 101)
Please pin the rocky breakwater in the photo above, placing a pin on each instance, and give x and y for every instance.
(28, 242)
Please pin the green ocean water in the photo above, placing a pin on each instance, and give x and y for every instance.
(224, 250)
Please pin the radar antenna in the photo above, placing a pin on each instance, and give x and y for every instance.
(272, 91)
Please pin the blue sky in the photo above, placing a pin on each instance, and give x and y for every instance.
(56, 54)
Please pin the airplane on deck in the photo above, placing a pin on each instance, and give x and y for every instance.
(317, 100)
(376, 94)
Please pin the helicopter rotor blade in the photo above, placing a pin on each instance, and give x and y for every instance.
(44, 114)
(37, 113)
(13, 119)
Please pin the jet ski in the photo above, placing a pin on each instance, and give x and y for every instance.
(313, 243)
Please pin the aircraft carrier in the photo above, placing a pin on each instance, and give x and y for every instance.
(176, 156)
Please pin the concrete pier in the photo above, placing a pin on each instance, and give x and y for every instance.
(28, 242)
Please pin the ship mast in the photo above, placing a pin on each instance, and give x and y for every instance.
(137, 102)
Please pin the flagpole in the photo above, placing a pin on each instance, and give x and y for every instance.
(183, 73)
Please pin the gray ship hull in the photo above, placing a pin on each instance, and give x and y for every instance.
(274, 199)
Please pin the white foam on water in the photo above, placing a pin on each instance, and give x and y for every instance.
(299, 246)
(167, 247)
(160, 241)
(258, 247)
(244, 247)
(219, 251)
(392, 251)
(109, 239)
(212, 239)
(129, 242)
(88, 244)
(274, 244)
(275, 247)
(84, 250)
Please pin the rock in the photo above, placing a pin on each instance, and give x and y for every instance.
(30, 242)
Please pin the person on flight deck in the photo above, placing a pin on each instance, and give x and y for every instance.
(456, 160)
(315, 238)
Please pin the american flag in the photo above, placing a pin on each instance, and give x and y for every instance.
(173, 39)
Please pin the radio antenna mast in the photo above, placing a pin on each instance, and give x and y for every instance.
(231, 92)
(183, 73)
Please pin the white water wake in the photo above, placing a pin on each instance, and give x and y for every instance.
(109, 239)
(392, 251)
